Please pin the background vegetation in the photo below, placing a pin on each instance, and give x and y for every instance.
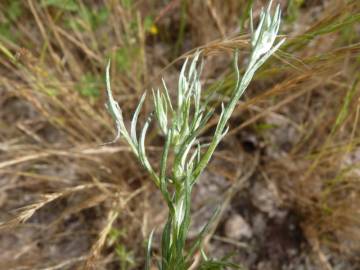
(288, 170)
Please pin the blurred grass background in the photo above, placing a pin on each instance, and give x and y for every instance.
(68, 203)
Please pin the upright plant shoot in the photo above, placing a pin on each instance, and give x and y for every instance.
(181, 124)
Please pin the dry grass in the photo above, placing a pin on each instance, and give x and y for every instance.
(68, 203)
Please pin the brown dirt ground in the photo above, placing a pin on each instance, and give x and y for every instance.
(286, 178)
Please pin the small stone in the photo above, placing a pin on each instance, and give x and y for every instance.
(266, 198)
(236, 228)
(259, 224)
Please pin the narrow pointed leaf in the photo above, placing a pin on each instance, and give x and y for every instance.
(135, 118)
